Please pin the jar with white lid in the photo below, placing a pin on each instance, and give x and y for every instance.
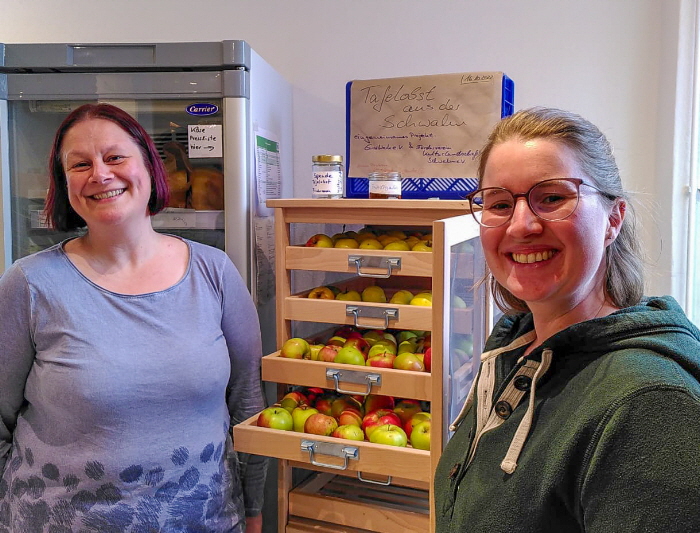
(385, 185)
(327, 176)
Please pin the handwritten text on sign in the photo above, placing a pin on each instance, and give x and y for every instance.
(422, 126)
(205, 140)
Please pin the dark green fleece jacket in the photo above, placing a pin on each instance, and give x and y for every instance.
(597, 430)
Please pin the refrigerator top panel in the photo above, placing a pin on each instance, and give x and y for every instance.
(124, 57)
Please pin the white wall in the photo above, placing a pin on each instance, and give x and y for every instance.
(613, 61)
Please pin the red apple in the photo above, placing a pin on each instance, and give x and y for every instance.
(344, 332)
(295, 348)
(353, 334)
(420, 436)
(328, 352)
(416, 419)
(323, 404)
(406, 408)
(390, 435)
(350, 417)
(293, 399)
(276, 418)
(345, 402)
(320, 424)
(378, 401)
(313, 393)
(359, 343)
(428, 359)
(349, 432)
(300, 415)
(382, 360)
(377, 418)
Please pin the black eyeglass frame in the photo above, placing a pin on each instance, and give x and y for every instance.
(577, 181)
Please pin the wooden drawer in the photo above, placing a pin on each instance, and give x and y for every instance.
(398, 383)
(336, 260)
(370, 458)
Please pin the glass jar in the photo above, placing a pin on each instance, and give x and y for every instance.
(385, 185)
(327, 176)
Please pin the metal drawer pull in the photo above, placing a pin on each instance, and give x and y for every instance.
(383, 483)
(388, 313)
(328, 448)
(374, 261)
(353, 376)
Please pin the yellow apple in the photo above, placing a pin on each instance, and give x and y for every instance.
(320, 241)
(371, 244)
(374, 293)
(346, 242)
(397, 245)
(364, 235)
(412, 240)
(386, 239)
(422, 246)
(321, 293)
(349, 296)
(402, 297)
(397, 233)
(423, 298)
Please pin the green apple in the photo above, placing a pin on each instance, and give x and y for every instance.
(373, 336)
(276, 418)
(402, 297)
(349, 431)
(381, 347)
(320, 241)
(349, 296)
(350, 355)
(390, 337)
(409, 345)
(371, 244)
(300, 415)
(458, 302)
(295, 348)
(408, 361)
(420, 436)
(374, 293)
(390, 435)
(420, 416)
(405, 335)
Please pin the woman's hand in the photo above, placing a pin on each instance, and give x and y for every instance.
(253, 524)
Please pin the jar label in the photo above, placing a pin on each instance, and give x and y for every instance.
(391, 188)
(329, 182)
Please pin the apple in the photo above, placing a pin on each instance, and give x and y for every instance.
(401, 297)
(389, 434)
(295, 348)
(388, 336)
(294, 399)
(328, 353)
(398, 245)
(276, 418)
(349, 296)
(346, 242)
(420, 416)
(427, 237)
(381, 360)
(407, 346)
(378, 401)
(313, 393)
(349, 432)
(324, 403)
(360, 343)
(428, 359)
(321, 293)
(314, 351)
(386, 239)
(374, 293)
(345, 402)
(372, 336)
(350, 417)
(377, 418)
(405, 335)
(320, 241)
(371, 244)
(458, 302)
(408, 361)
(406, 408)
(412, 240)
(320, 424)
(349, 355)
(380, 347)
(420, 436)
(300, 414)
(422, 298)
(422, 246)
(398, 233)
(344, 331)
(337, 340)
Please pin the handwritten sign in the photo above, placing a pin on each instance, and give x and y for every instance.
(204, 140)
(422, 126)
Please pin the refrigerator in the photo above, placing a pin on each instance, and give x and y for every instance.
(219, 114)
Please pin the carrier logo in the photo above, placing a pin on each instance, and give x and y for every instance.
(201, 110)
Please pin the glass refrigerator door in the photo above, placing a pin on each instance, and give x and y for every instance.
(466, 315)
(191, 146)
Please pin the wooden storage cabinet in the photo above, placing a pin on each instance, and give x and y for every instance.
(361, 486)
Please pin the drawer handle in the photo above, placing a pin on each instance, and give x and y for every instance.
(327, 448)
(353, 376)
(374, 261)
(388, 313)
(383, 483)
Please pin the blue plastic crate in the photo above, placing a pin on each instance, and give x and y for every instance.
(426, 187)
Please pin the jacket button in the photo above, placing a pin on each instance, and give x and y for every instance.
(503, 409)
(522, 382)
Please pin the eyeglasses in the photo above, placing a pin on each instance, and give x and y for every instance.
(552, 200)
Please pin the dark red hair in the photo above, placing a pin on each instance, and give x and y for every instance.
(57, 208)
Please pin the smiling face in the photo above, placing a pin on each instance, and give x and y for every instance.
(557, 264)
(107, 180)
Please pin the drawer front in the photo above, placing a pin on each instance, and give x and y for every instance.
(370, 458)
(337, 260)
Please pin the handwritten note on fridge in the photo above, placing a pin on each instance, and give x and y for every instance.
(205, 140)
(422, 126)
